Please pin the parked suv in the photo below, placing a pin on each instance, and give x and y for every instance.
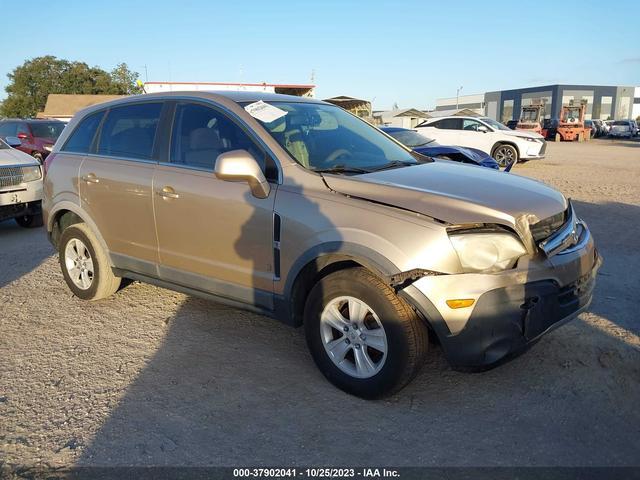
(483, 133)
(20, 185)
(296, 209)
(36, 136)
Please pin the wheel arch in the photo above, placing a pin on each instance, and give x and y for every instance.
(320, 261)
(67, 214)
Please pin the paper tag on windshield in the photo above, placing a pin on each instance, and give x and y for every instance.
(264, 112)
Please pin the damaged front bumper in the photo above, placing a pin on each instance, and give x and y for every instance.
(511, 309)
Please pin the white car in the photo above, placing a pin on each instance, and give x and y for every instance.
(623, 128)
(20, 185)
(483, 133)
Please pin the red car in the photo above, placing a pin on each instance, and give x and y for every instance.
(37, 136)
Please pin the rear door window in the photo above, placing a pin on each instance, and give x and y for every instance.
(449, 124)
(81, 139)
(129, 131)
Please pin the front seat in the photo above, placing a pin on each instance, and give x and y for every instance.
(203, 148)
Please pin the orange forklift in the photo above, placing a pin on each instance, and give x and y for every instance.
(571, 124)
(530, 118)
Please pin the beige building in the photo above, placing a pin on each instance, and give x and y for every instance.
(63, 106)
(405, 118)
(360, 108)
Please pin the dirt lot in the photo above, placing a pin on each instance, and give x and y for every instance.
(152, 377)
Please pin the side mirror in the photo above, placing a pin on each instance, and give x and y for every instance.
(483, 129)
(13, 142)
(240, 166)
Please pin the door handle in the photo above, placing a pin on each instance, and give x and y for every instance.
(168, 192)
(90, 178)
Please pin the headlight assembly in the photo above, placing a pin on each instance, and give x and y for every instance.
(487, 252)
(30, 174)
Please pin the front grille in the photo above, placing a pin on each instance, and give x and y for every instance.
(11, 176)
(545, 228)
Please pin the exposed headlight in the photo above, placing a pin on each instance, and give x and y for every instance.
(30, 174)
(487, 252)
(529, 139)
(48, 148)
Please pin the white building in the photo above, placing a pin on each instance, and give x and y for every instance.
(636, 104)
(473, 102)
(287, 89)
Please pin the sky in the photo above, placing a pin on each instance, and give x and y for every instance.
(397, 52)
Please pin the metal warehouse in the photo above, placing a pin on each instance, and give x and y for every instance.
(602, 102)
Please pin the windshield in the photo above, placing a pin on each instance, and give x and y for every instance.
(573, 114)
(621, 124)
(47, 129)
(411, 138)
(323, 137)
(529, 116)
(494, 124)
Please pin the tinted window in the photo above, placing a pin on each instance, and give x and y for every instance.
(201, 133)
(8, 129)
(82, 137)
(449, 124)
(129, 131)
(23, 129)
(47, 129)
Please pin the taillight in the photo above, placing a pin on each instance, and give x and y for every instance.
(47, 162)
(22, 135)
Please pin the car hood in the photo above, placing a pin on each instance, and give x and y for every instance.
(11, 156)
(458, 194)
(521, 133)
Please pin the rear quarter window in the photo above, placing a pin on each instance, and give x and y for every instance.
(81, 139)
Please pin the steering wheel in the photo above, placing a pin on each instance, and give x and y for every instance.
(337, 154)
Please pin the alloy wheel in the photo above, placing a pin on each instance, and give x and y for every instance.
(79, 264)
(353, 337)
(504, 156)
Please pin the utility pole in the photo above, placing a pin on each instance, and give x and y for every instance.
(457, 95)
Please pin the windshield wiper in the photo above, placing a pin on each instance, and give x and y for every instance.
(341, 169)
(394, 164)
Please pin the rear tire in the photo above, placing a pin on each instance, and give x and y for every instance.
(357, 316)
(85, 265)
(30, 221)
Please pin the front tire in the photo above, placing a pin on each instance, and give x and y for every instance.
(85, 265)
(364, 338)
(505, 154)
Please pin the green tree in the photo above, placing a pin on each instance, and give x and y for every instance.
(31, 83)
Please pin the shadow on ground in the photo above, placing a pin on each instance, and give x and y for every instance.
(229, 388)
(21, 250)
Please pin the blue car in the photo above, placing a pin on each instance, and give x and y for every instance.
(427, 146)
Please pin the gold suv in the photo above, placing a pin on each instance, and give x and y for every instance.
(296, 209)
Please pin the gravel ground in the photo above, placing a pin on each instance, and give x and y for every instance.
(152, 377)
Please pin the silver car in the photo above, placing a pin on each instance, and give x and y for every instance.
(296, 209)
